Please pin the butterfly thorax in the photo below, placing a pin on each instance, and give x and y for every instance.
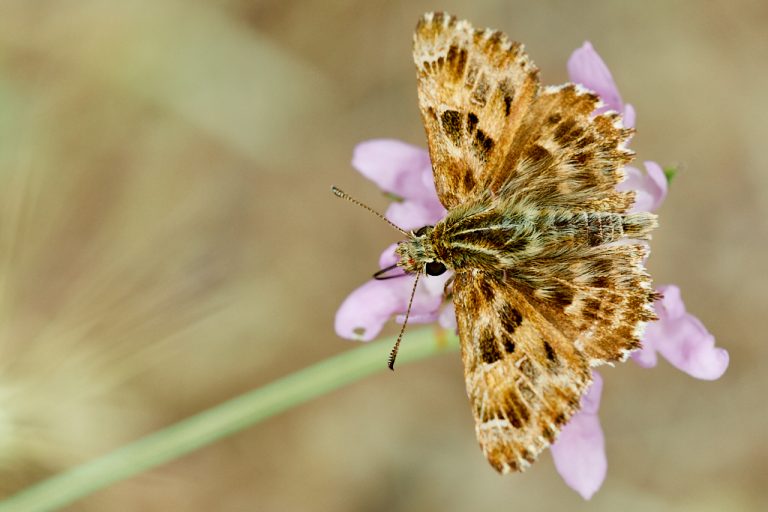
(496, 235)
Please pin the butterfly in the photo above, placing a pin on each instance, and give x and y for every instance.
(549, 277)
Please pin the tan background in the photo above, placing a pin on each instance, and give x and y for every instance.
(168, 240)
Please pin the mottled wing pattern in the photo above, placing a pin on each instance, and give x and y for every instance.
(500, 143)
(599, 299)
(565, 157)
(524, 377)
(475, 88)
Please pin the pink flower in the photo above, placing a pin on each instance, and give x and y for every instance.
(585, 67)
(650, 187)
(681, 339)
(405, 172)
(579, 452)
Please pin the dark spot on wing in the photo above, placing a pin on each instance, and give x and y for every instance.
(591, 308)
(453, 52)
(550, 352)
(525, 414)
(575, 134)
(457, 58)
(538, 153)
(582, 158)
(601, 266)
(509, 345)
(489, 350)
(594, 98)
(471, 122)
(486, 289)
(510, 318)
(468, 180)
(512, 416)
(508, 96)
(584, 141)
(507, 105)
(483, 143)
(562, 296)
(515, 410)
(554, 118)
(451, 121)
(562, 132)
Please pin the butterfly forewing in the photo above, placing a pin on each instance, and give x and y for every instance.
(475, 87)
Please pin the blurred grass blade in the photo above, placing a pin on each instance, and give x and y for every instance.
(222, 420)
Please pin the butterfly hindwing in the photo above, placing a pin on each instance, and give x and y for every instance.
(600, 299)
(524, 378)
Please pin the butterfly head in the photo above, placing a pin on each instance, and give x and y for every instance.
(417, 253)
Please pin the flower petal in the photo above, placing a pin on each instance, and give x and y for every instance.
(657, 183)
(365, 311)
(585, 67)
(646, 355)
(436, 284)
(579, 452)
(388, 257)
(629, 116)
(394, 166)
(419, 318)
(411, 215)
(650, 187)
(447, 318)
(683, 340)
(427, 300)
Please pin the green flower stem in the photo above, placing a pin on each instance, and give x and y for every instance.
(222, 420)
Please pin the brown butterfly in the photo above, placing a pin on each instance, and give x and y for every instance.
(549, 271)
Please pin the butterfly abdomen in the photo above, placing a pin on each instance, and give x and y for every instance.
(591, 229)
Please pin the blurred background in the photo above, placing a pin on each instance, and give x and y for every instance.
(168, 240)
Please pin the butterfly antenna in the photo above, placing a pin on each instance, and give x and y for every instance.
(340, 193)
(393, 354)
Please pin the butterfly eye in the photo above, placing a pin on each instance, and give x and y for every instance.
(434, 268)
(422, 230)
